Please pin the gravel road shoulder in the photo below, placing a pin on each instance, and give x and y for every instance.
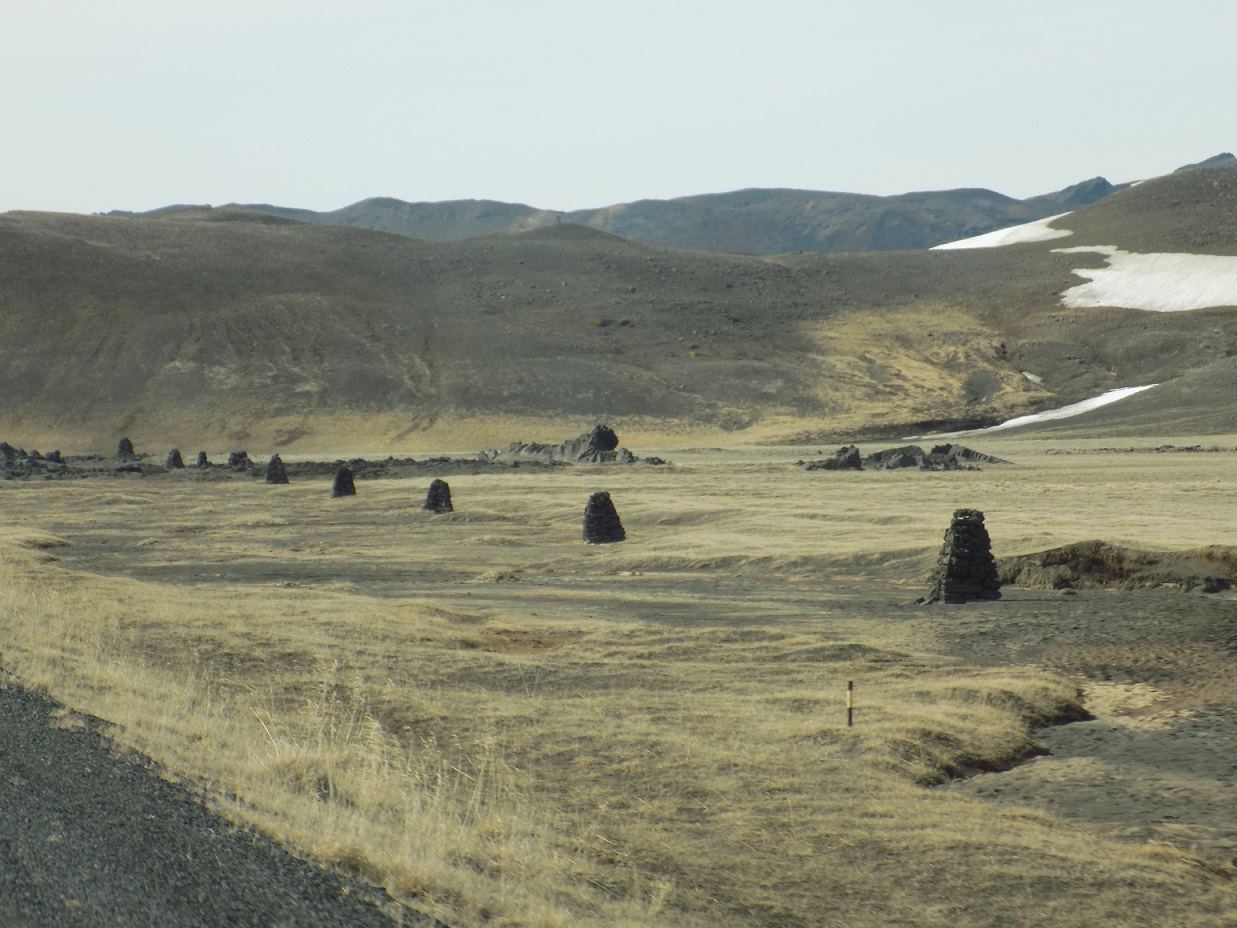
(90, 837)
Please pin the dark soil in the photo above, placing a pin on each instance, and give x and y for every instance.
(91, 837)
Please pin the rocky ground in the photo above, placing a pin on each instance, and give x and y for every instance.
(92, 837)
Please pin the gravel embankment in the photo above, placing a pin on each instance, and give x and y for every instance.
(91, 838)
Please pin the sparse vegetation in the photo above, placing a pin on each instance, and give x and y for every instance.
(641, 734)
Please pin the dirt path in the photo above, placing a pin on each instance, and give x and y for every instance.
(91, 838)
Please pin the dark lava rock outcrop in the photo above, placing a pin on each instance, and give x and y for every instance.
(598, 446)
(941, 457)
(966, 569)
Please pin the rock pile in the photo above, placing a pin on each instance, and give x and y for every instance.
(438, 499)
(941, 457)
(598, 446)
(845, 458)
(344, 483)
(238, 460)
(124, 450)
(174, 461)
(966, 569)
(275, 471)
(203, 461)
(601, 520)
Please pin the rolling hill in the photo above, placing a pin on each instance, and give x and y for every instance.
(212, 327)
(756, 221)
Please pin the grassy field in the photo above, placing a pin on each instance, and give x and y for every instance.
(502, 725)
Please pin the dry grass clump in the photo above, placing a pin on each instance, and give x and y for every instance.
(646, 736)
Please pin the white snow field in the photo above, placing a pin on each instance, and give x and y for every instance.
(1158, 282)
(1065, 412)
(1036, 231)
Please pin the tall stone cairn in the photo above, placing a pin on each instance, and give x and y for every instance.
(601, 520)
(344, 483)
(124, 450)
(438, 498)
(275, 471)
(966, 569)
(174, 461)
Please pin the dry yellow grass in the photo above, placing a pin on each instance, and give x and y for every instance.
(505, 726)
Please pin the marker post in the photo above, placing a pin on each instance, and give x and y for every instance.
(850, 703)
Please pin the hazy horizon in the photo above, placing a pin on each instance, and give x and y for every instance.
(567, 106)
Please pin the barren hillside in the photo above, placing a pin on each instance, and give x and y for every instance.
(220, 325)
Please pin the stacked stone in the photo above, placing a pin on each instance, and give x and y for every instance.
(175, 461)
(344, 483)
(203, 461)
(275, 471)
(238, 460)
(124, 450)
(438, 499)
(966, 569)
(601, 520)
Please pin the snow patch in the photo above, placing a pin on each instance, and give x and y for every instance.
(1064, 412)
(1157, 282)
(1036, 231)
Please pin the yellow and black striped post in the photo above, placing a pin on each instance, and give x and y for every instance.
(850, 703)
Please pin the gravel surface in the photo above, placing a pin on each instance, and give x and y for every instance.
(89, 837)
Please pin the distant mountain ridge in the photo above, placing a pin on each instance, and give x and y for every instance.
(760, 221)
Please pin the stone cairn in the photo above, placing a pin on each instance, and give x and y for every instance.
(174, 461)
(344, 483)
(438, 499)
(601, 520)
(124, 450)
(966, 569)
(238, 460)
(203, 461)
(275, 471)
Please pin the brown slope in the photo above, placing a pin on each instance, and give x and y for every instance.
(225, 325)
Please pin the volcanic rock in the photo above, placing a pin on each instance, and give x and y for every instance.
(845, 458)
(966, 569)
(275, 471)
(344, 483)
(601, 520)
(438, 499)
(596, 446)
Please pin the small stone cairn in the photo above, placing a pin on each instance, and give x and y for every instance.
(238, 460)
(174, 461)
(438, 498)
(966, 569)
(344, 483)
(124, 450)
(601, 520)
(203, 461)
(276, 473)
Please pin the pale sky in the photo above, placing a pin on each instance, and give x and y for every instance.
(564, 104)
